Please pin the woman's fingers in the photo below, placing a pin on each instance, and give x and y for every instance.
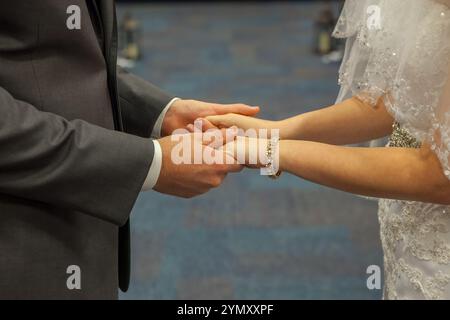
(238, 108)
(202, 125)
(216, 120)
(226, 120)
(216, 138)
(207, 125)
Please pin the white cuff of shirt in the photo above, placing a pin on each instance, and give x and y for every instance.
(155, 167)
(156, 132)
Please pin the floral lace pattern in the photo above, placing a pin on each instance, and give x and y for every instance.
(416, 242)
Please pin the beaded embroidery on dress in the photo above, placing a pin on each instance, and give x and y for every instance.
(399, 51)
(416, 242)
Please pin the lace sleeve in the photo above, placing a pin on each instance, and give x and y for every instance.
(399, 51)
(440, 138)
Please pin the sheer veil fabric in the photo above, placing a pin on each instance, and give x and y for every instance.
(399, 51)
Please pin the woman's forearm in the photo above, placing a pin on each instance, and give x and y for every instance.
(397, 173)
(351, 121)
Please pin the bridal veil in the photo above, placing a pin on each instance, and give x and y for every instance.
(399, 51)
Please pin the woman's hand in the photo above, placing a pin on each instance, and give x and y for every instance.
(251, 152)
(242, 122)
(183, 112)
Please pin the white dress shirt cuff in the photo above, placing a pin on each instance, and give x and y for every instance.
(156, 132)
(155, 168)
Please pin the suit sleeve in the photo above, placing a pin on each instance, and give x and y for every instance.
(73, 165)
(141, 103)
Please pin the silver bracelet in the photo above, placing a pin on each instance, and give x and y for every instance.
(271, 150)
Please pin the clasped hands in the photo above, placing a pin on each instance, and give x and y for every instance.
(189, 179)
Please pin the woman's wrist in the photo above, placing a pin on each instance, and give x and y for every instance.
(290, 128)
(283, 147)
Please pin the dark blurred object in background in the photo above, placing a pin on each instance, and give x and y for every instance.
(330, 49)
(323, 28)
(130, 34)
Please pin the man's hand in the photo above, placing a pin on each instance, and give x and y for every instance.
(189, 180)
(184, 112)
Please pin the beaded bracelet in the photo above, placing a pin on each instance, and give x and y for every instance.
(272, 144)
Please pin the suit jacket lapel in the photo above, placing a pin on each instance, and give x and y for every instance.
(107, 12)
(108, 20)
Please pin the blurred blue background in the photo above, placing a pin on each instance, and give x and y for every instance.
(252, 238)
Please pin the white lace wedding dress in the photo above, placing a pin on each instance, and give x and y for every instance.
(399, 50)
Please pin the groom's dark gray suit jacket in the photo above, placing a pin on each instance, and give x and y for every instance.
(68, 176)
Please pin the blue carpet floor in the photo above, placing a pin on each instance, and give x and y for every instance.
(253, 238)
